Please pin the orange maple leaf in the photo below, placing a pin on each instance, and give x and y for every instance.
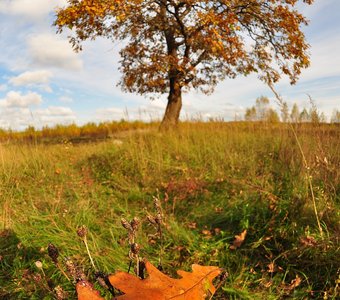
(158, 286)
(86, 291)
(239, 239)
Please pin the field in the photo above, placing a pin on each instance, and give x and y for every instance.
(214, 180)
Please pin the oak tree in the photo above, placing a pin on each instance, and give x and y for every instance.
(171, 46)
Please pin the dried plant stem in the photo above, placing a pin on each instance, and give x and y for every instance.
(137, 265)
(88, 253)
(130, 265)
(132, 229)
(62, 271)
(309, 177)
(162, 248)
(43, 272)
(159, 221)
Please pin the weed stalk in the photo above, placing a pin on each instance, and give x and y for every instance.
(82, 233)
(309, 177)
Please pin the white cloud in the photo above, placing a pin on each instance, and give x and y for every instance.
(51, 51)
(65, 99)
(60, 111)
(55, 115)
(314, 11)
(112, 113)
(15, 118)
(39, 79)
(16, 99)
(3, 87)
(20, 118)
(31, 78)
(31, 9)
(149, 112)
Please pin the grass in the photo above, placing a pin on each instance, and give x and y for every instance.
(214, 180)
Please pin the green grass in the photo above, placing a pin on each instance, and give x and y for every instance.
(217, 179)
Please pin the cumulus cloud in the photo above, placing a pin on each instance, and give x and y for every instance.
(60, 111)
(38, 79)
(149, 112)
(55, 115)
(35, 77)
(65, 99)
(49, 50)
(22, 117)
(16, 99)
(112, 113)
(3, 87)
(30, 9)
(15, 118)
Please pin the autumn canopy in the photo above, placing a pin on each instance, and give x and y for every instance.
(174, 45)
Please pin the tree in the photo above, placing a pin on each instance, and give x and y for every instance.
(262, 107)
(261, 112)
(272, 116)
(335, 116)
(314, 115)
(295, 114)
(322, 118)
(304, 116)
(284, 112)
(174, 45)
(250, 114)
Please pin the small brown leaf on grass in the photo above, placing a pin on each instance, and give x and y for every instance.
(217, 230)
(294, 283)
(239, 239)
(218, 209)
(289, 288)
(158, 286)
(267, 284)
(86, 291)
(271, 267)
(308, 241)
(192, 225)
(206, 232)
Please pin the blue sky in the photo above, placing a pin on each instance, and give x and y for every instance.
(43, 82)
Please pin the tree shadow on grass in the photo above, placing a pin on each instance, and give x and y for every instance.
(19, 277)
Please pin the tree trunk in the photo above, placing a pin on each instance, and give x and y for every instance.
(173, 108)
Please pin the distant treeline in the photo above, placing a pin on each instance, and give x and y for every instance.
(262, 111)
(93, 132)
(73, 132)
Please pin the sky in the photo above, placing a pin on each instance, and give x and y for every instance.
(43, 82)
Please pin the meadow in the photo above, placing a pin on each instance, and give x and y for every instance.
(214, 180)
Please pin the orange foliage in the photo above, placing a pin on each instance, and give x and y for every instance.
(195, 43)
(175, 45)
